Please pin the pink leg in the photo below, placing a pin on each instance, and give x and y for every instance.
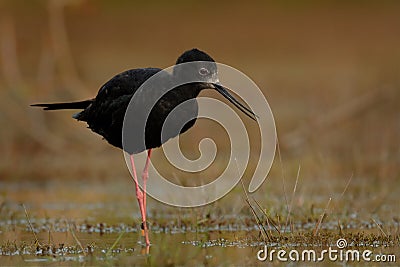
(145, 176)
(140, 195)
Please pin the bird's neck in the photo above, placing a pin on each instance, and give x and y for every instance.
(188, 91)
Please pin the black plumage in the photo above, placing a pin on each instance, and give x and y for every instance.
(106, 112)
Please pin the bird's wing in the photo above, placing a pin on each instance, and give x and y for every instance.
(106, 114)
(116, 93)
(125, 83)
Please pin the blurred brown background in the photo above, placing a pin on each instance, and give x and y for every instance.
(329, 69)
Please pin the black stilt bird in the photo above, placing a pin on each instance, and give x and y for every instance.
(105, 113)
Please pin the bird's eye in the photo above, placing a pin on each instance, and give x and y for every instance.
(204, 71)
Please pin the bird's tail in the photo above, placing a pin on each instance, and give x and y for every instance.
(68, 105)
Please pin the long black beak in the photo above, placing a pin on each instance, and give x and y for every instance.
(224, 91)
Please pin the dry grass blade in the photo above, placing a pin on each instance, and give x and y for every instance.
(269, 219)
(263, 231)
(318, 225)
(109, 251)
(346, 187)
(288, 220)
(340, 228)
(283, 173)
(338, 201)
(379, 227)
(30, 224)
(76, 238)
(259, 223)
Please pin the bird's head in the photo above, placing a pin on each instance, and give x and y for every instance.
(203, 70)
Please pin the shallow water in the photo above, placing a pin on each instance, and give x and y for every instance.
(59, 246)
(71, 223)
(189, 248)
